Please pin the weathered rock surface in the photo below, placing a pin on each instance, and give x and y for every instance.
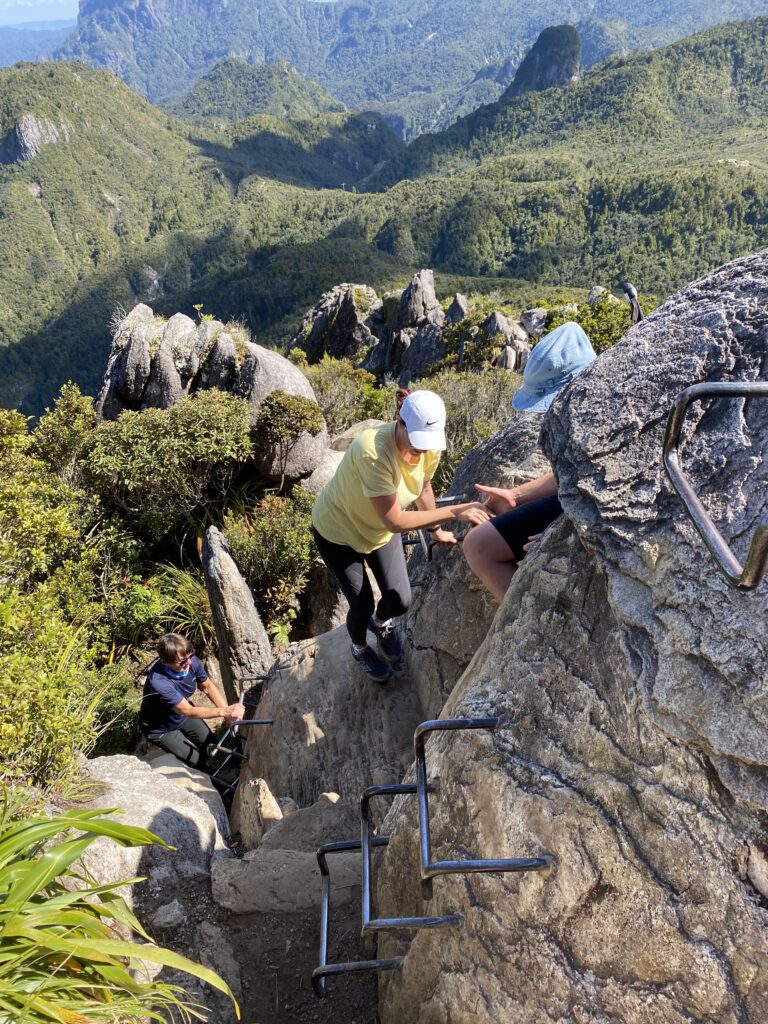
(153, 364)
(554, 59)
(244, 647)
(632, 688)
(457, 310)
(323, 472)
(416, 326)
(147, 797)
(324, 605)
(28, 136)
(341, 324)
(533, 321)
(280, 881)
(334, 729)
(254, 811)
(342, 441)
(451, 611)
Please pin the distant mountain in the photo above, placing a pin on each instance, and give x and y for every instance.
(414, 60)
(234, 90)
(651, 168)
(554, 59)
(32, 40)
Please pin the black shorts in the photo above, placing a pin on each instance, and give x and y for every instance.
(520, 523)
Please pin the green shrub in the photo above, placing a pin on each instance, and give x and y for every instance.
(40, 515)
(187, 605)
(159, 466)
(273, 549)
(282, 420)
(62, 433)
(347, 395)
(48, 690)
(62, 957)
(605, 322)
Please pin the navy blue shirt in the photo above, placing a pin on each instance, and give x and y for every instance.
(162, 693)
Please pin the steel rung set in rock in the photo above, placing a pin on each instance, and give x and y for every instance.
(234, 753)
(429, 868)
(742, 577)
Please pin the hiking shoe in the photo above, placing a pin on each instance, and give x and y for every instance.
(389, 641)
(372, 664)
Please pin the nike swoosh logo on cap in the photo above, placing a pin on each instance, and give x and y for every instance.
(431, 423)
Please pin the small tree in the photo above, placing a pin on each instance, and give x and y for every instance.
(281, 421)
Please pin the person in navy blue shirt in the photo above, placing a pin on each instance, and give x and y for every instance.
(166, 716)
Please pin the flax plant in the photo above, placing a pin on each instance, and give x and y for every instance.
(61, 960)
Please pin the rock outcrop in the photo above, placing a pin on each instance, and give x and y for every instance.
(554, 59)
(244, 647)
(334, 728)
(414, 340)
(154, 363)
(28, 136)
(632, 689)
(341, 324)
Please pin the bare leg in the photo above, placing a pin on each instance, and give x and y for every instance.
(490, 558)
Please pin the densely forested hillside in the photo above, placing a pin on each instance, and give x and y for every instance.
(653, 167)
(234, 90)
(419, 60)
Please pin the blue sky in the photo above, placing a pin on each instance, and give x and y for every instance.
(14, 11)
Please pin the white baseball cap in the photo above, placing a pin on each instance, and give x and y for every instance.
(423, 414)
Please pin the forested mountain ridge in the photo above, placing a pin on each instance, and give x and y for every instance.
(418, 60)
(653, 168)
(234, 90)
(663, 99)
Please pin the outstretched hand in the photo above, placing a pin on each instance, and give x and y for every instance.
(473, 512)
(444, 538)
(531, 541)
(500, 499)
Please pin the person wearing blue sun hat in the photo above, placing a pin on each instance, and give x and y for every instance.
(494, 549)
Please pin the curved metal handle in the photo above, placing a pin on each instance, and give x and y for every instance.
(742, 577)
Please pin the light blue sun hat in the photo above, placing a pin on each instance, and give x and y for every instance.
(553, 363)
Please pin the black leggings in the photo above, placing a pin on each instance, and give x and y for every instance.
(388, 567)
(187, 743)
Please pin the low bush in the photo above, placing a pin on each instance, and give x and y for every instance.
(347, 395)
(159, 466)
(273, 549)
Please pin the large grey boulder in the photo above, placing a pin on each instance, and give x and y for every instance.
(342, 441)
(451, 610)
(533, 321)
(172, 811)
(335, 730)
(244, 647)
(631, 684)
(426, 348)
(340, 324)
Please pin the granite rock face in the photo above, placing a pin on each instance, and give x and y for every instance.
(244, 647)
(341, 325)
(451, 610)
(334, 728)
(631, 684)
(154, 363)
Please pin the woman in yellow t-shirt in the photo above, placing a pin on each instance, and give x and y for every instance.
(358, 515)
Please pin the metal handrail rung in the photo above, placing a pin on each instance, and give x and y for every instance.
(429, 868)
(218, 747)
(370, 924)
(325, 970)
(742, 577)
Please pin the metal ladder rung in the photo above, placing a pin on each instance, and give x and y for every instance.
(326, 970)
(372, 925)
(429, 868)
(219, 748)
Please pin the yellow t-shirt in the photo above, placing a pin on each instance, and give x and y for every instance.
(372, 467)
